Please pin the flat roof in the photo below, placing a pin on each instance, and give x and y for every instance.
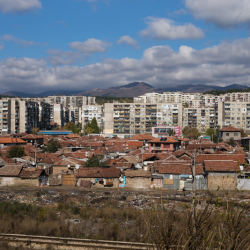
(55, 132)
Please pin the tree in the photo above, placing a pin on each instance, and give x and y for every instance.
(191, 133)
(94, 126)
(52, 146)
(72, 127)
(186, 105)
(231, 142)
(15, 151)
(209, 132)
(91, 127)
(95, 161)
(171, 132)
(243, 133)
(213, 134)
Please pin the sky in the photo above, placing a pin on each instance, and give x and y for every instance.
(85, 44)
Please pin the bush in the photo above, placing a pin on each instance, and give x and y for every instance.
(15, 151)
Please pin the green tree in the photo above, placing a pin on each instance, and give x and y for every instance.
(213, 134)
(186, 105)
(191, 133)
(209, 132)
(92, 127)
(72, 127)
(15, 151)
(52, 146)
(95, 161)
(171, 132)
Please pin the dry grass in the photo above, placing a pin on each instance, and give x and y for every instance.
(212, 226)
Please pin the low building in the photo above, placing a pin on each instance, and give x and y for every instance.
(162, 145)
(98, 177)
(229, 132)
(137, 179)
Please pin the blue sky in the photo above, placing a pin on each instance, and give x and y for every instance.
(85, 44)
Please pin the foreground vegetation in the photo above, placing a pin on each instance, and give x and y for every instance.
(217, 224)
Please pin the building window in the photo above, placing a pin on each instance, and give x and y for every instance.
(235, 134)
(227, 134)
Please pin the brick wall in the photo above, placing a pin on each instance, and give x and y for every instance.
(223, 181)
(138, 182)
(57, 170)
(97, 185)
(15, 181)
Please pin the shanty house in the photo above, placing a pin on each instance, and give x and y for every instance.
(98, 177)
(9, 175)
(33, 177)
(137, 179)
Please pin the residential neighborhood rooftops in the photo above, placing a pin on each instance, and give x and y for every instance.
(11, 170)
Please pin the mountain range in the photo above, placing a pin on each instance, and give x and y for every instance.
(129, 90)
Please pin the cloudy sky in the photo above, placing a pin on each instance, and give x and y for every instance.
(85, 44)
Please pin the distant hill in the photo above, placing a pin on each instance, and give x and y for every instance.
(130, 90)
(200, 88)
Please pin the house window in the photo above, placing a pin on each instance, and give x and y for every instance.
(235, 134)
(227, 134)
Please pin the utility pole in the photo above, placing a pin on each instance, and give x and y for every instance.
(142, 152)
(89, 138)
(35, 153)
(193, 192)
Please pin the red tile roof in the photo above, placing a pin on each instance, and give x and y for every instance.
(221, 166)
(230, 129)
(71, 136)
(180, 169)
(142, 137)
(32, 137)
(10, 140)
(30, 173)
(98, 173)
(234, 157)
(10, 170)
(68, 161)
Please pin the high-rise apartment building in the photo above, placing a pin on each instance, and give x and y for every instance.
(200, 118)
(136, 118)
(235, 113)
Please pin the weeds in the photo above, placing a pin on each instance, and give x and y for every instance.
(214, 225)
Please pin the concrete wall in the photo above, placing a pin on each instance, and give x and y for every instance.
(222, 181)
(15, 181)
(109, 119)
(138, 182)
(98, 185)
(227, 135)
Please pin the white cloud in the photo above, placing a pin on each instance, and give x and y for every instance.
(19, 6)
(57, 57)
(22, 43)
(224, 64)
(178, 12)
(166, 29)
(128, 40)
(90, 46)
(224, 13)
(1, 46)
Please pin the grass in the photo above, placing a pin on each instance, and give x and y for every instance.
(214, 225)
